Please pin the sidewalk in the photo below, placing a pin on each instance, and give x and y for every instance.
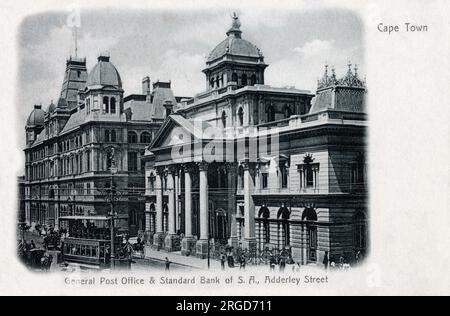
(177, 258)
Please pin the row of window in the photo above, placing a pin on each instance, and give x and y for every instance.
(132, 137)
(308, 173)
(109, 104)
(75, 164)
(271, 115)
(145, 137)
(265, 225)
(244, 80)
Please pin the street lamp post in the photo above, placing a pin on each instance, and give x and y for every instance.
(112, 197)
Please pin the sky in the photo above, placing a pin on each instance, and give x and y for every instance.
(174, 45)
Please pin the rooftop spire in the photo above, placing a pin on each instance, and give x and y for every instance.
(235, 29)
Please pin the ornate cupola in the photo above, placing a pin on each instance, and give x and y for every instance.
(35, 124)
(234, 61)
(344, 94)
(103, 93)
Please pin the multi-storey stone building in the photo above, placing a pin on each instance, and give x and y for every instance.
(72, 146)
(259, 167)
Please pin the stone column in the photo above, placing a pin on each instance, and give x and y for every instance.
(232, 207)
(177, 202)
(172, 241)
(202, 243)
(158, 238)
(188, 242)
(249, 208)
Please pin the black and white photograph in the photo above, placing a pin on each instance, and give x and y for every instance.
(225, 171)
(226, 147)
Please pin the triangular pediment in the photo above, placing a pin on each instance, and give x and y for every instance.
(177, 131)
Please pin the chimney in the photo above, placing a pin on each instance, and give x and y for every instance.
(146, 88)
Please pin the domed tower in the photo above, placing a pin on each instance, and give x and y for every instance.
(235, 61)
(35, 124)
(103, 93)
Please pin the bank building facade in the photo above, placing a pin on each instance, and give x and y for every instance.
(244, 165)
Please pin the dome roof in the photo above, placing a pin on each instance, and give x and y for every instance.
(234, 44)
(36, 117)
(104, 74)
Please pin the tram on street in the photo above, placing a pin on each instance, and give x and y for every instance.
(88, 239)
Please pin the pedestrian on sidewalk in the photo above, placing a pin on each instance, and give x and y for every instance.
(222, 261)
(167, 265)
(282, 264)
(230, 259)
(272, 263)
(242, 263)
(325, 260)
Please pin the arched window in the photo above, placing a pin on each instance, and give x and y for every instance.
(241, 117)
(284, 214)
(217, 82)
(113, 136)
(107, 136)
(271, 114)
(310, 216)
(151, 181)
(146, 138)
(132, 137)
(284, 169)
(211, 82)
(234, 77)
(253, 80)
(106, 104)
(113, 105)
(109, 159)
(224, 119)
(244, 79)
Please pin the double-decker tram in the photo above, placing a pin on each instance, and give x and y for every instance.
(88, 239)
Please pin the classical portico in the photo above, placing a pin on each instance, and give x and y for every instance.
(205, 214)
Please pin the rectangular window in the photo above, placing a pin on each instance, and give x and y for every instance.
(265, 180)
(88, 161)
(132, 161)
(309, 175)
